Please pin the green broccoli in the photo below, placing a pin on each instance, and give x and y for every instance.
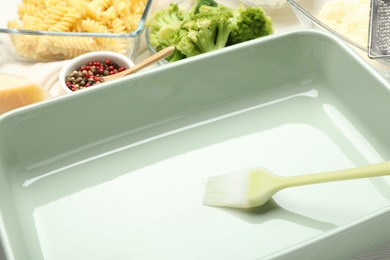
(175, 56)
(250, 23)
(184, 47)
(164, 24)
(205, 31)
(207, 26)
(184, 44)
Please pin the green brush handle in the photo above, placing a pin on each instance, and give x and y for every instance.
(373, 170)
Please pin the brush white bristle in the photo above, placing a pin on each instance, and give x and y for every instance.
(229, 190)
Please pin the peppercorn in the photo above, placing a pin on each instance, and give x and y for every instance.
(91, 73)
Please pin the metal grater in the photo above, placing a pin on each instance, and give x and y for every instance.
(379, 30)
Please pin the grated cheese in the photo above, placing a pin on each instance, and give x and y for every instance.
(274, 4)
(348, 17)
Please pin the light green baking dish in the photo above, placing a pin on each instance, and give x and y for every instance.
(117, 172)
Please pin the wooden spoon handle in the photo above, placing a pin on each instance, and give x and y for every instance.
(152, 59)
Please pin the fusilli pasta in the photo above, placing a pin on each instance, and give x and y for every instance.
(97, 16)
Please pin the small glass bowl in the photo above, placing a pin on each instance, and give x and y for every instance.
(27, 45)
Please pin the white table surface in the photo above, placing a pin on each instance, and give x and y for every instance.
(286, 20)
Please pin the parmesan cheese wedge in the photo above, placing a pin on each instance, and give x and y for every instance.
(16, 92)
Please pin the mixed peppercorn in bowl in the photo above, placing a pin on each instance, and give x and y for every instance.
(88, 69)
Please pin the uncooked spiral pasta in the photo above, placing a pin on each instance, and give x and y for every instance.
(109, 15)
(66, 22)
(119, 27)
(103, 4)
(28, 9)
(97, 16)
(31, 22)
(90, 25)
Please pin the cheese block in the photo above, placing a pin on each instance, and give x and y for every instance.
(17, 92)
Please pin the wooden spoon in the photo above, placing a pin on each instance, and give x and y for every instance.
(152, 59)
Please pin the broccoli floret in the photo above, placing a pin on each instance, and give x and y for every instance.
(222, 17)
(164, 24)
(206, 31)
(250, 23)
(184, 46)
(175, 56)
(203, 34)
(199, 3)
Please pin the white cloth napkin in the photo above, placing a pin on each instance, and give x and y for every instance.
(43, 74)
